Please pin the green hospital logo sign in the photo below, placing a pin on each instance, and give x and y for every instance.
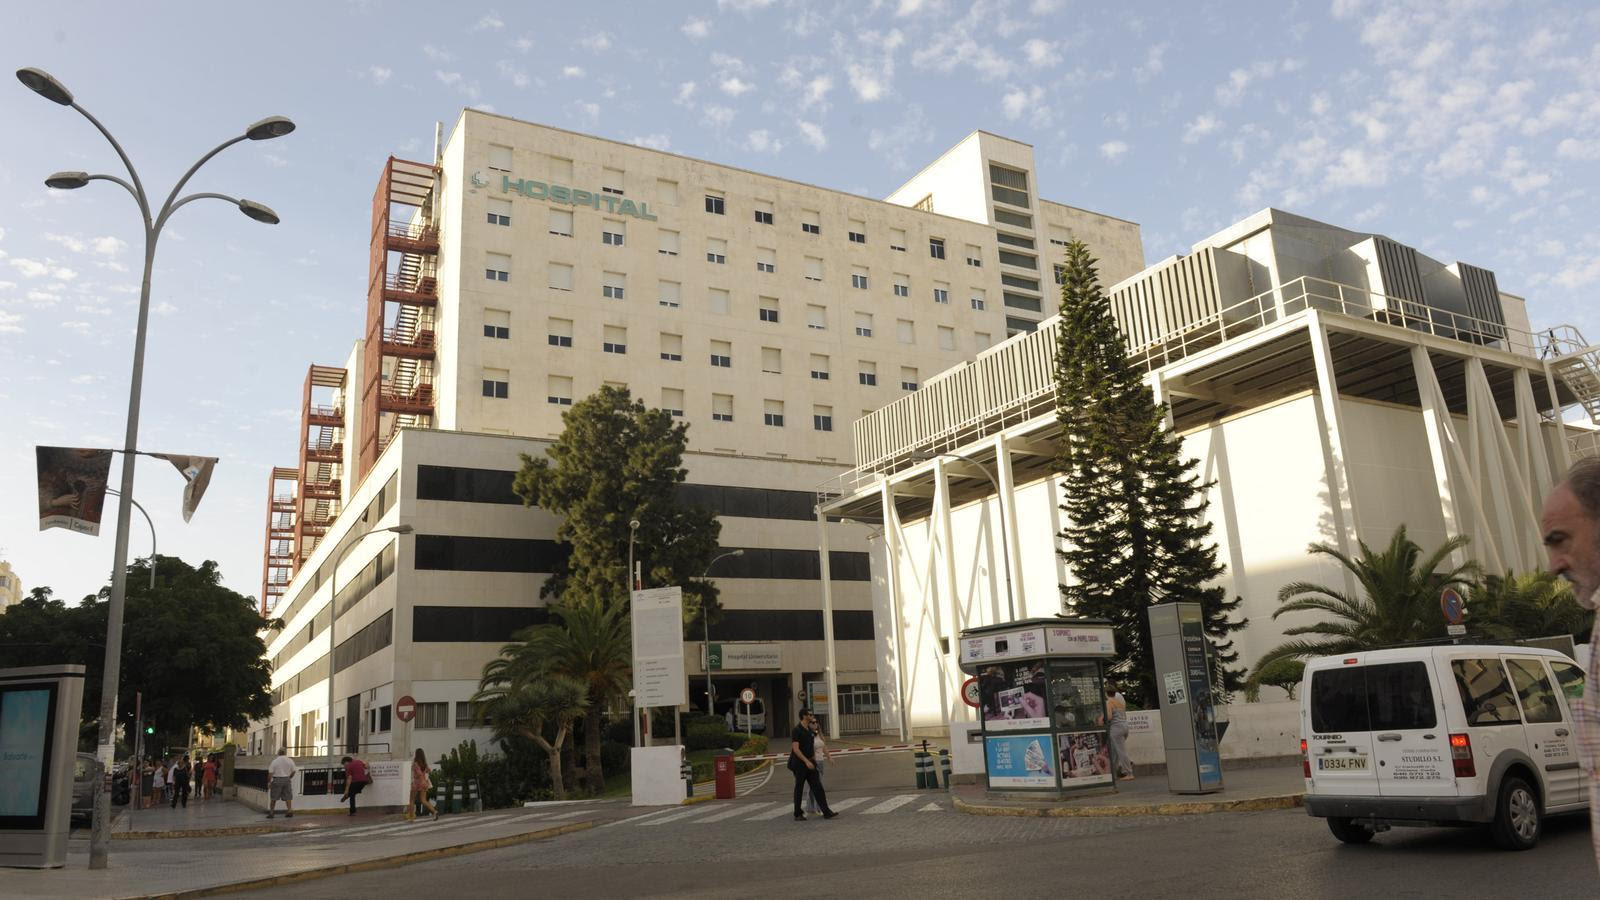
(560, 193)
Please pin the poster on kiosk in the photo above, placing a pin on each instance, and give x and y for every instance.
(39, 708)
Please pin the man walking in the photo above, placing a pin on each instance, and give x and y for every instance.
(803, 763)
(355, 778)
(1571, 526)
(280, 783)
(180, 783)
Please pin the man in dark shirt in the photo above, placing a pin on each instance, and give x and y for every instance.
(802, 762)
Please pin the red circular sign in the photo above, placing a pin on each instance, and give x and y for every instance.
(747, 696)
(405, 709)
(1454, 608)
(969, 693)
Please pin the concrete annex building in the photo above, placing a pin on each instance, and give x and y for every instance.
(528, 267)
(1334, 384)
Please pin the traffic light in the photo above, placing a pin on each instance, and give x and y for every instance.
(149, 729)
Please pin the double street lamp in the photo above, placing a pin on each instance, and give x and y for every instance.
(705, 618)
(46, 86)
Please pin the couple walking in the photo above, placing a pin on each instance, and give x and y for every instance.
(806, 764)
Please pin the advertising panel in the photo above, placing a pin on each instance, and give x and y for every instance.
(27, 723)
(658, 672)
(1085, 758)
(1013, 696)
(1020, 760)
(1198, 675)
(1023, 642)
(1081, 640)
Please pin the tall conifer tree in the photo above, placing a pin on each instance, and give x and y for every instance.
(1136, 533)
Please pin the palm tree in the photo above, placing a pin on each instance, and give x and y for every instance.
(1537, 604)
(524, 708)
(588, 642)
(1398, 600)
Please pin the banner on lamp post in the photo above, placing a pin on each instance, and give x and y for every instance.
(196, 471)
(72, 487)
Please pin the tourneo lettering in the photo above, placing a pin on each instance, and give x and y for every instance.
(560, 193)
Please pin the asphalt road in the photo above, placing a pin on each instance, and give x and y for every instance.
(913, 850)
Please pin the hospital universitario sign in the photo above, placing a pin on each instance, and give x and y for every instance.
(560, 193)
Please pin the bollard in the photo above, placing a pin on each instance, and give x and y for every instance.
(923, 760)
(687, 771)
(944, 766)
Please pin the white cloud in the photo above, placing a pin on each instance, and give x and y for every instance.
(588, 111)
(734, 86)
(1155, 62)
(1358, 167)
(29, 268)
(490, 21)
(895, 143)
(447, 78)
(1017, 101)
(816, 93)
(84, 378)
(872, 79)
(572, 71)
(743, 6)
(813, 134)
(908, 8)
(66, 241)
(1045, 7)
(1201, 126)
(653, 141)
(164, 309)
(436, 54)
(274, 160)
(718, 116)
(1041, 52)
(524, 44)
(378, 75)
(511, 73)
(1232, 92)
(685, 94)
(1572, 148)
(10, 323)
(1520, 174)
(599, 42)
(1114, 150)
(1582, 273)
(762, 141)
(696, 29)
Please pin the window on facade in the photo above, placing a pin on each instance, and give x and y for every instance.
(432, 715)
(1017, 281)
(764, 212)
(867, 373)
(669, 294)
(974, 256)
(497, 267)
(822, 418)
(560, 331)
(497, 323)
(497, 383)
(1015, 240)
(499, 211)
(1007, 217)
(979, 299)
(905, 331)
(947, 338)
(766, 260)
(863, 324)
(614, 340)
(720, 301)
(672, 401)
(1061, 274)
(858, 231)
(722, 354)
(560, 170)
(1009, 185)
(856, 699)
(813, 268)
(615, 286)
(816, 317)
(769, 309)
(936, 248)
(467, 715)
(561, 222)
(499, 158)
(897, 239)
(908, 378)
(1018, 301)
(668, 243)
(671, 347)
(611, 181)
(925, 204)
(810, 221)
(716, 251)
(858, 278)
(902, 285)
(1016, 326)
(819, 367)
(772, 413)
(560, 277)
(558, 390)
(715, 204)
(772, 360)
(941, 292)
(722, 407)
(666, 192)
(611, 233)
(1020, 260)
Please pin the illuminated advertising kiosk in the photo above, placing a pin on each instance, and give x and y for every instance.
(39, 709)
(1041, 691)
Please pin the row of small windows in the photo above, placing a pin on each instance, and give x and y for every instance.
(559, 391)
(614, 339)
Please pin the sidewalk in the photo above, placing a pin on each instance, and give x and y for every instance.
(1244, 790)
(215, 818)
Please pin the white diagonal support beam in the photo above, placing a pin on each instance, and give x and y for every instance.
(1443, 447)
(891, 546)
(1008, 520)
(1330, 421)
(947, 572)
(1515, 521)
(1535, 461)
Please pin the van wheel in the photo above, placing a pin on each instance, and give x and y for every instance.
(1345, 829)
(1517, 818)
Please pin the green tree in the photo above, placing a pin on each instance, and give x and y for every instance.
(1538, 604)
(1281, 673)
(589, 643)
(1397, 601)
(524, 708)
(1137, 533)
(618, 460)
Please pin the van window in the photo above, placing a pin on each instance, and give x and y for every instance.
(1569, 676)
(1399, 696)
(1539, 704)
(1339, 700)
(1485, 692)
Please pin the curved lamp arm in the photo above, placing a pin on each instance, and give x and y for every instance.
(138, 187)
(115, 180)
(171, 208)
(168, 207)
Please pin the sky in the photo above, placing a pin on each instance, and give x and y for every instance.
(1468, 129)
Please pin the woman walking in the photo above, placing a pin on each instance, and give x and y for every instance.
(208, 778)
(1117, 722)
(158, 782)
(823, 758)
(420, 785)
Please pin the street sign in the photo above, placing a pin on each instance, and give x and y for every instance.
(970, 694)
(405, 709)
(1456, 630)
(1454, 608)
(747, 696)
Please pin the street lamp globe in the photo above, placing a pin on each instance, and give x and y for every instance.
(269, 128)
(45, 85)
(258, 211)
(67, 181)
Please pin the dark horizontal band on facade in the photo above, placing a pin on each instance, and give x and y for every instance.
(499, 624)
(458, 553)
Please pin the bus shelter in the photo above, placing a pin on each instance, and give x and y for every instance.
(1041, 690)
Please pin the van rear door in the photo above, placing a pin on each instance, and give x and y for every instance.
(1410, 745)
(1338, 729)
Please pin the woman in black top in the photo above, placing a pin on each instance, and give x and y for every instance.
(180, 783)
(802, 762)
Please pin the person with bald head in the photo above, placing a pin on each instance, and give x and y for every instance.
(1571, 527)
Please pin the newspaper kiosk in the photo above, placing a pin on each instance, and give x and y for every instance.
(1041, 686)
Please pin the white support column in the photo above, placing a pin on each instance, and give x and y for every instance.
(1158, 392)
(947, 574)
(1535, 459)
(1330, 421)
(1563, 455)
(1008, 505)
(1518, 522)
(1443, 445)
(831, 675)
(891, 544)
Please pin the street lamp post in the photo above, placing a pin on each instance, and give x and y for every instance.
(333, 613)
(140, 507)
(46, 86)
(705, 619)
(633, 625)
(1005, 551)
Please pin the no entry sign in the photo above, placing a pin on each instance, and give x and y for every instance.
(405, 709)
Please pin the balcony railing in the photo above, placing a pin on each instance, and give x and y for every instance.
(413, 231)
(325, 412)
(408, 338)
(411, 284)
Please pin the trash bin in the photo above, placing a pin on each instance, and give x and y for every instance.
(723, 765)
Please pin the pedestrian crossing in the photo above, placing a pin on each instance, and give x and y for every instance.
(391, 828)
(710, 813)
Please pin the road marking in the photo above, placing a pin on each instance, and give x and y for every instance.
(847, 803)
(636, 819)
(581, 812)
(735, 811)
(889, 805)
(530, 816)
(782, 810)
(678, 816)
(931, 807)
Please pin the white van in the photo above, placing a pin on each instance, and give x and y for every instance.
(1441, 735)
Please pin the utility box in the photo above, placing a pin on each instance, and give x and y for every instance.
(39, 710)
(723, 763)
(1188, 709)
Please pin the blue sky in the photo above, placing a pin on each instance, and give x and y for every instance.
(1468, 129)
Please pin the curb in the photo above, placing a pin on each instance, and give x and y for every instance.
(368, 865)
(224, 831)
(1191, 808)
